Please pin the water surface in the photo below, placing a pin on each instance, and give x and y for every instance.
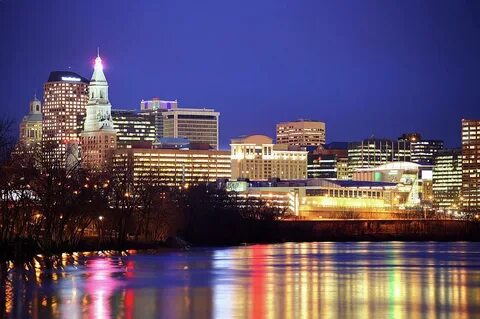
(292, 280)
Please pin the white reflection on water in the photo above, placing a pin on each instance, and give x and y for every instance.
(305, 280)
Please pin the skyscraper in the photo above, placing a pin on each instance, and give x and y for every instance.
(471, 165)
(31, 125)
(301, 133)
(98, 137)
(65, 99)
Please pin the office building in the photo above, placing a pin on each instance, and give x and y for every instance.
(31, 125)
(374, 152)
(157, 106)
(134, 130)
(99, 137)
(471, 166)
(447, 180)
(328, 161)
(255, 157)
(422, 151)
(64, 105)
(196, 125)
(172, 167)
(301, 133)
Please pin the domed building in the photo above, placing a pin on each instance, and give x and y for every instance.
(31, 125)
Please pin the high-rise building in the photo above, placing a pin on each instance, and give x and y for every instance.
(157, 106)
(64, 102)
(134, 130)
(329, 161)
(31, 125)
(255, 157)
(301, 133)
(447, 179)
(172, 167)
(470, 165)
(196, 125)
(374, 152)
(98, 137)
(422, 151)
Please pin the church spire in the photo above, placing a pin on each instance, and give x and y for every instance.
(98, 75)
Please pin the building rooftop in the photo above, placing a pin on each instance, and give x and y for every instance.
(66, 76)
(322, 182)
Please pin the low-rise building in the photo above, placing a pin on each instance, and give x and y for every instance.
(322, 198)
(414, 181)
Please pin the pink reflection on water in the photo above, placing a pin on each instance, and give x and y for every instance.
(100, 287)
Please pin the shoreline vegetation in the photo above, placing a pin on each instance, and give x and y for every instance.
(271, 232)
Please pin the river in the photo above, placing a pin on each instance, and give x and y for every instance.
(290, 280)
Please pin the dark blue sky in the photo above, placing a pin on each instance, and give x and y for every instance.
(364, 67)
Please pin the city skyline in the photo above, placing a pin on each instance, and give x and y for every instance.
(331, 73)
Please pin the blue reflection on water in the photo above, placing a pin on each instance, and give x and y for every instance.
(291, 280)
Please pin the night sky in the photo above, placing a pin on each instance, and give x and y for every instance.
(366, 68)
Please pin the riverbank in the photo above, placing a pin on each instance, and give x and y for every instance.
(252, 232)
(340, 230)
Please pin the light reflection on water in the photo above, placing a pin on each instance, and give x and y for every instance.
(304, 280)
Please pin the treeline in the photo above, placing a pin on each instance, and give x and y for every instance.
(48, 209)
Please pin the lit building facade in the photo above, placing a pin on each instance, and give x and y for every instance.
(31, 125)
(157, 104)
(447, 180)
(328, 161)
(375, 152)
(255, 157)
(172, 167)
(134, 129)
(64, 105)
(414, 181)
(422, 151)
(301, 133)
(99, 137)
(471, 166)
(322, 198)
(196, 125)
